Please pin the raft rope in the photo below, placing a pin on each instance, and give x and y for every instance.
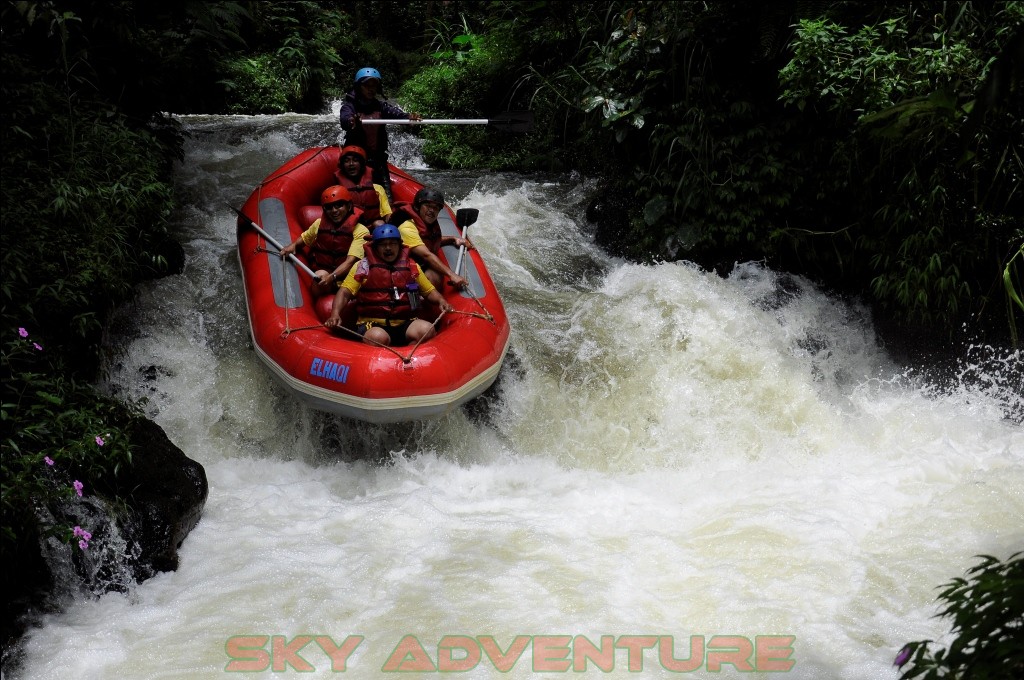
(485, 315)
(288, 330)
(287, 296)
(370, 341)
(463, 270)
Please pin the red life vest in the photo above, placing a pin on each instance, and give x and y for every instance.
(373, 134)
(429, 233)
(333, 241)
(382, 293)
(364, 195)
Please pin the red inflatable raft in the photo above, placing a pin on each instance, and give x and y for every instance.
(338, 372)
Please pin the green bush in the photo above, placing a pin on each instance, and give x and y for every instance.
(82, 222)
(935, 184)
(987, 612)
(459, 85)
(294, 60)
(59, 434)
(85, 201)
(257, 85)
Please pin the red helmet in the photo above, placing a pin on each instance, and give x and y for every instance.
(351, 149)
(334, 194)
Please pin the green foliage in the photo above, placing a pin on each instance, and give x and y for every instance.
(870, 69)
(140, 57)
(704, 155)
(458, 85)
(457, 48)
(863, 71)
(1012, 279)
(255, 85)
(294, 59)
(56, 431)
(85, 202)
(81, 222)
(987, 613)
(930, 186)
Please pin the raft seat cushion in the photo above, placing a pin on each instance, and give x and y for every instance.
(308, 214)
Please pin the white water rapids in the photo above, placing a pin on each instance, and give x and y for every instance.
(668, 454)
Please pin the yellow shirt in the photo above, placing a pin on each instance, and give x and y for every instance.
(410, 234)
(309, 238)
(360, 237)
(350, 282)
(385, 206)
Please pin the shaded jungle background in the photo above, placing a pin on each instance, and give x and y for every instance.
(872, 147)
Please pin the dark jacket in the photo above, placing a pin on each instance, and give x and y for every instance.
(373, 138)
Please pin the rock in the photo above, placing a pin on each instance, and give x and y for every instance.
(165, 492)
(148, 507)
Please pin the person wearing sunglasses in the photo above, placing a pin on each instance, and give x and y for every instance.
(329, 241)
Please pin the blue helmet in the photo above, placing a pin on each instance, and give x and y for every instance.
(364, 73)
(386, 231)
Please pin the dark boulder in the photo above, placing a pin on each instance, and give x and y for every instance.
(148, 507)
(165, 492)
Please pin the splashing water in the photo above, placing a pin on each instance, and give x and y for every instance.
(667, 453)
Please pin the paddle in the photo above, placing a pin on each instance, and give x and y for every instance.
(273, 242)
(463, 218)
(510, 121)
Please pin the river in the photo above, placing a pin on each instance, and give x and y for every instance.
(667, 454)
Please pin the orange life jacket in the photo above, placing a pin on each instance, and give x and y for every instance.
(383, 293)
(429, 233)
(333, 241)
(364, 195)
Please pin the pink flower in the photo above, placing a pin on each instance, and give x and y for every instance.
(99, 440)
(78, 487)
(83, 544)
(22, 332)
(81, 533)
(48, 460)
(37, 346)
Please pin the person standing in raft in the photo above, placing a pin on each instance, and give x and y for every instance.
(354, 175)
(329, 240)
(361, 103)
(422, 233)
(383, 284)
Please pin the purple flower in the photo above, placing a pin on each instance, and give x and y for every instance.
(22, 332)
(48, 460)
(81, 533)
(903, 656)
(78, 487)
(37, 346)
(83, 544)
(99, 440)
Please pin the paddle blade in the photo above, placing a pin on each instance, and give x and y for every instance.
(512, 121)
(465, 217)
